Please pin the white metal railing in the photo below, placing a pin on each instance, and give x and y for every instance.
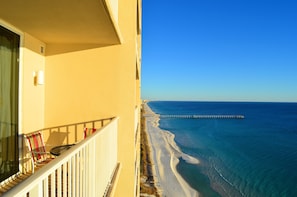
(86, 169)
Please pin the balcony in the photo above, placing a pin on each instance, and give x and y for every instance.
(89, 168)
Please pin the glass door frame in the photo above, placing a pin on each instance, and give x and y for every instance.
(19, 137)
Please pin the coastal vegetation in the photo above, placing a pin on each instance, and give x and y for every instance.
(147, 183)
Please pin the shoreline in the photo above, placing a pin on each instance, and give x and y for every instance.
(165, 156)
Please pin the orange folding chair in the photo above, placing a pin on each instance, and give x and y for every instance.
(89, 131)
(36, 147)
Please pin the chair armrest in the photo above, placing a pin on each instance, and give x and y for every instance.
(41, 153)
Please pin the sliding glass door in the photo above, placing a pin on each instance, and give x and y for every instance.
(9, 85)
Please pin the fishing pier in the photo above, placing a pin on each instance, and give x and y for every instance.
(204, 116)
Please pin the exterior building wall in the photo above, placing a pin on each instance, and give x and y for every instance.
(32, 98)
(87, 82)
(93, 84)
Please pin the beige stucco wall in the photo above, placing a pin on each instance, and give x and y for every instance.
(32, 96)
(93, 84)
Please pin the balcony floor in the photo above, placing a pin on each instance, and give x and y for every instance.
(11, 182)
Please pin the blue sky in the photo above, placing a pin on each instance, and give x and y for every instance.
(224, 50)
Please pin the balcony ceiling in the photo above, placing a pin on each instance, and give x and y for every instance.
(62, 21)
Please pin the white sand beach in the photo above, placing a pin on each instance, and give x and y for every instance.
(165, 156)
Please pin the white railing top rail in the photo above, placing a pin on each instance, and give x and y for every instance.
(69, 133)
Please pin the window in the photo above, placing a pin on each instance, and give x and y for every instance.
(9, 88)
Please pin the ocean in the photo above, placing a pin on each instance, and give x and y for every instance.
(255, 156)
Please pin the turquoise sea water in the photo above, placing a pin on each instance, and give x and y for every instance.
(254, 156)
